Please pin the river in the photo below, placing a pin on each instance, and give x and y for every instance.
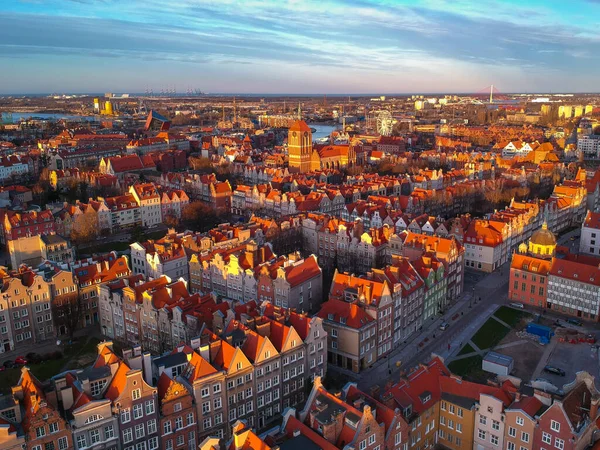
(17, 116)
(322, 130)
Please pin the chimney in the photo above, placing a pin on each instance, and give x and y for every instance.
(594, 408)
(205, 351)
(66, 396)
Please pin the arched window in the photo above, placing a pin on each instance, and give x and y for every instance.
(93, 418)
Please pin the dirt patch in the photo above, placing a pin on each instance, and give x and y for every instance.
(526, 355)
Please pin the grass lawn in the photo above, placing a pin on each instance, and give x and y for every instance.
(468, 368)
(466, 349)
(80, 350)
(510, 315)
(490, 334)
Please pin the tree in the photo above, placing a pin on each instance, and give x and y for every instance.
(85, 228)
(203, 165)
(67, 314)
(171, 220)
(198, 216)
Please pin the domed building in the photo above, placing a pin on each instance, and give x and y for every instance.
(542, 244)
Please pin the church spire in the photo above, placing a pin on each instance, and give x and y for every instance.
(299, 112)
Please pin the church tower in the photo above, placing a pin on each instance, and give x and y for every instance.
(299, 147)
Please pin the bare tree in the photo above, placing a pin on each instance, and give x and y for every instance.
(67, 313)
(85, 228)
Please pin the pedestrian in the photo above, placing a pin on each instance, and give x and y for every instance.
(448, 346)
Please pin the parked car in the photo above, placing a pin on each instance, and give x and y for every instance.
(516, 305)
(590, 338)
(554, 370)
(9, 364)
(444, 326)
(573, 321)
(20, 361)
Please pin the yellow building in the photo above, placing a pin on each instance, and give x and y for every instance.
(299, 147)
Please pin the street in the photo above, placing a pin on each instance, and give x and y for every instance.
(482, 295)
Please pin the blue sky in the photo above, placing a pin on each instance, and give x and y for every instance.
(299, 46)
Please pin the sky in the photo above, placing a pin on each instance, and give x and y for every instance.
(299, 46)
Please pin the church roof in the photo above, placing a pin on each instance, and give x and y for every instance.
(300, 125)
(543, 236)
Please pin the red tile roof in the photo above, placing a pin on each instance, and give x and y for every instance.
(339, 311)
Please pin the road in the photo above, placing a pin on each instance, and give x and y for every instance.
(483, 294)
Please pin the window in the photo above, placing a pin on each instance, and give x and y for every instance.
(81, 442)
(459, 412)
(554, 425)
(494, 439)
(94, 436)
(510, 446)
(334, 332)
(167, 427)
(138, 411)
(217, 403)
(459, 427)
(125, 416)
(525, 437)
(520, 421)
(180, 440)
(150, 407)
(362, 445)
(481, 434)
(206, 423)
(372, 439)
(63, 443)
(546, 438)
(443, 406)
(139, 431)
(559, 443)
(109, 432)
(40, 432)
(483, 420)
(398, 438)
(190, 419)
(136, 394)
(152, 426)
(495, 425)
(53, 427)
(127, 435)
(512, 432)
(216, 388)
(205, 407)
(179, 423)
(205, 392)
(153, 443)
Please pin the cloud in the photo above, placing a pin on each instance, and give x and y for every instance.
(325, 40)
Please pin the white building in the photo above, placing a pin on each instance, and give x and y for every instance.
(590, 234)
(589, 146)
(148, 198)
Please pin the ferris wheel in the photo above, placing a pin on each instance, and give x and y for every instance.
(385, 123)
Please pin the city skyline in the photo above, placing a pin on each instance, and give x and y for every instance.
(298, 47)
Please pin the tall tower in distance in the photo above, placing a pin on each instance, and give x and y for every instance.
(299, 147)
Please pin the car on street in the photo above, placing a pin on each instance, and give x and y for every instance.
(554, 370)
(9, 364)
(576, 322)
(444, 326)
(20, 361)
(573, 238)
(516, 305)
